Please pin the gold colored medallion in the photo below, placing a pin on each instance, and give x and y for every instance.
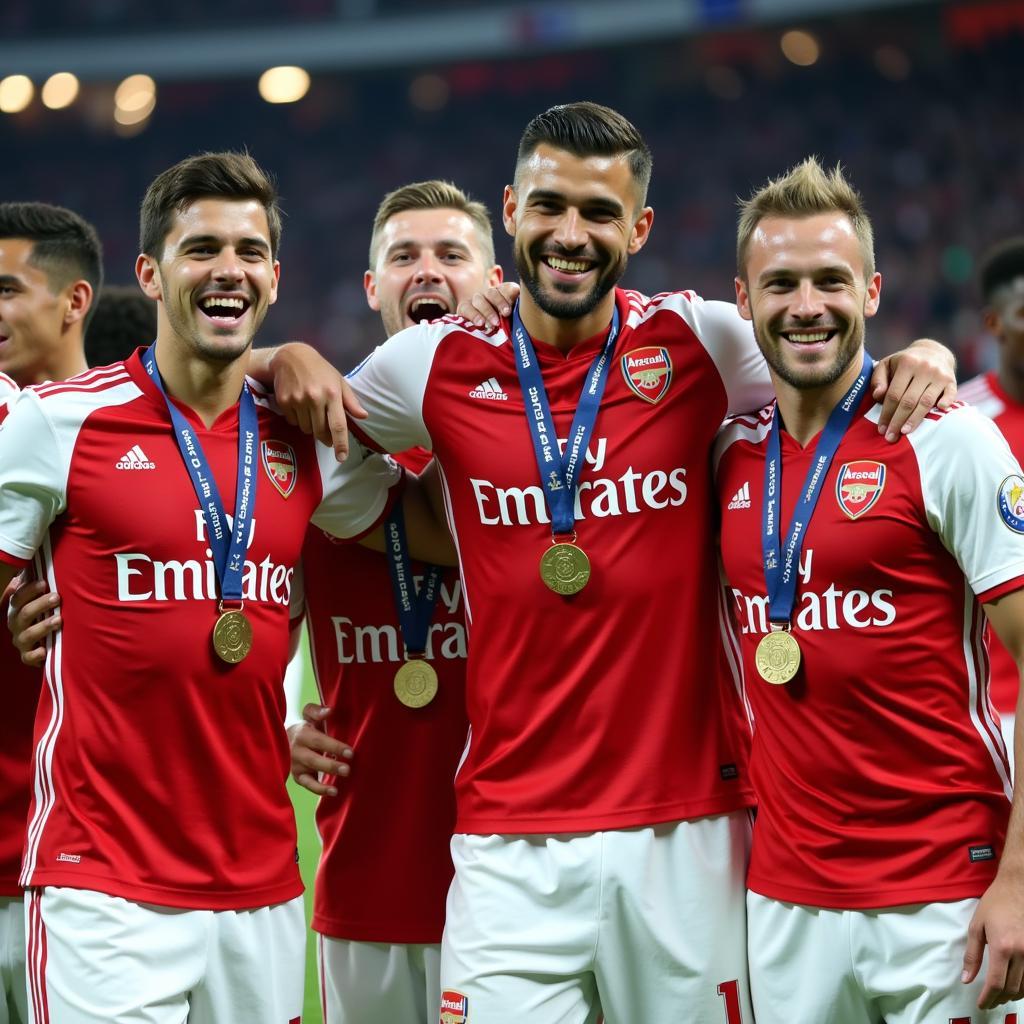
(232, 636)
(565, 568)
(777, 657)
(416, 683)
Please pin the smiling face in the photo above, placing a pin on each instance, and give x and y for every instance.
(215, 278)
(34, 314)
(804, 288)
(576, 222)
(428, 261)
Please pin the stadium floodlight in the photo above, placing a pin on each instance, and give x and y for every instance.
(284, 84)
(59, 90)
(16, 93)
(800, 48)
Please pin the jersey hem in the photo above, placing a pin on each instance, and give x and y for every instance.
(183, 899)
(18, 563)
(372, 931)
(482, 825)
(10, 888)
(875, 900)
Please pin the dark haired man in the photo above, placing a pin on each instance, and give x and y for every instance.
(602, 797)
(124, 319)
(50, 270)
(168, 500)
(1000, 395)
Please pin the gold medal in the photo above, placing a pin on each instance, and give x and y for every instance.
(232, 636)
(416, 683)
(777, 657)
(565, 568)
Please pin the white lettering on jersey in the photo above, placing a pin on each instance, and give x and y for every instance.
(830, 609)
(362, 645)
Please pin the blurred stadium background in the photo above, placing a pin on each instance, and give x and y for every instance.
(923, 102)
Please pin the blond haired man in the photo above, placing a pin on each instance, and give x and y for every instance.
(387, 822)
(885, 854)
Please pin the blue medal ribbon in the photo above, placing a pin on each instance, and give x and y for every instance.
(558, 470)
(228, 543)
(781, 563)
(415, 610)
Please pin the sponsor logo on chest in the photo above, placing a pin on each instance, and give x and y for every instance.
(280, 465)
(647, 372)
(859, 485)
(454, 1007)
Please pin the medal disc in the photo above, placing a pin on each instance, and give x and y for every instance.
(777, 657)
(232, 636)
(416, 683)
(565, 568)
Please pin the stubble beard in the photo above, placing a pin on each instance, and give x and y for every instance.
(568, 307)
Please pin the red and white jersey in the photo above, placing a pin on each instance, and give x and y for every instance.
(609, 709)
(159, 770)
(880, 771)
(21, 694)
(986, 395)
(385, 867)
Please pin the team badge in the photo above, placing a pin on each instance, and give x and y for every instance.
(278, 460)
(648, 373)
(859, 485)
(1010, 502)
(454, 1007)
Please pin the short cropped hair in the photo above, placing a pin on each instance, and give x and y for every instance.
(589, 129)
(227, 175)
(433, 195)
(64, 246)
(123, 320)
(1001, 266)
(805, 190)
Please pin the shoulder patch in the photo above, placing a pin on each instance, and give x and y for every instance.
(1010, 502)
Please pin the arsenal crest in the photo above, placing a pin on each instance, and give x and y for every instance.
(858, 486)
(278, 460)
(1010, 502)
(454, 1007)
(648, 373)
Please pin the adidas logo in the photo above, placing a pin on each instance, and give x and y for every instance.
(741, 499)
(134, 458)
(489, 390)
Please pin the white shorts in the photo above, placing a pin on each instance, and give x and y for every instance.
(900, 964)
(644, 924)
(13, 992)
(375, 981)
(98, 959)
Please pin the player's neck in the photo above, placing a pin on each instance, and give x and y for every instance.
(67, 362)
(208, 387)
(805, 411)
(1011, 381)
(560, 333)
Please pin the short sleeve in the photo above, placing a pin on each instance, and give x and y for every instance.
(391, 383)
(33, 479)
(357, 493)
(971, 482)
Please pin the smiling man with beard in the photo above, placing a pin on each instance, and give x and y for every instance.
(602, 827)
(888, 850)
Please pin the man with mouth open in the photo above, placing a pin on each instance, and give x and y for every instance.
(603, 795)
(167, 499)
(387, 817)
(889, 845)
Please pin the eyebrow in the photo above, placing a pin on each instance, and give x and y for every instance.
(412, 243)
(836, 271)
(252, 243)
(548, 195)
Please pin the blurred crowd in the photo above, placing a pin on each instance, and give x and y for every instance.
(930, 131)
